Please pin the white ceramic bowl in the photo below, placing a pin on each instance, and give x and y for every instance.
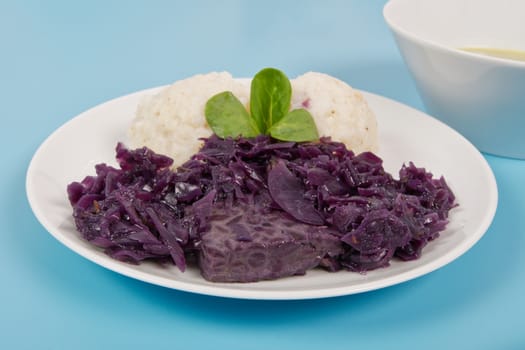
(482, 97)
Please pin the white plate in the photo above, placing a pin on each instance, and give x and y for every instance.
(406, 134)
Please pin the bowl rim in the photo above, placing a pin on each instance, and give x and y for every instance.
(396, 28)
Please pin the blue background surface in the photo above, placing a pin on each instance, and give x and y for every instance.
(59, 58)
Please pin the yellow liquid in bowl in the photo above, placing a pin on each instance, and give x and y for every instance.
(515, 55)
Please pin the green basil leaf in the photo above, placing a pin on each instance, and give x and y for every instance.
(227, 116)
(298, 126)
(270, 97)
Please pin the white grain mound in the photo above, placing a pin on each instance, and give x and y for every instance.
(339, 111)
(173, 121)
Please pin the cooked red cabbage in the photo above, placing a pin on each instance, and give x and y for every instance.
(255, 209)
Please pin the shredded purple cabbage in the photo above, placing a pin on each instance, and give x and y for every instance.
(362, 217)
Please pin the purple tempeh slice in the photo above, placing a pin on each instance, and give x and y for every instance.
(243, 245)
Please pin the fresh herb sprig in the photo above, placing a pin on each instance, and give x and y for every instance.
(270, 99)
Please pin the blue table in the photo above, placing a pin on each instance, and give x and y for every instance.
(60, 58)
